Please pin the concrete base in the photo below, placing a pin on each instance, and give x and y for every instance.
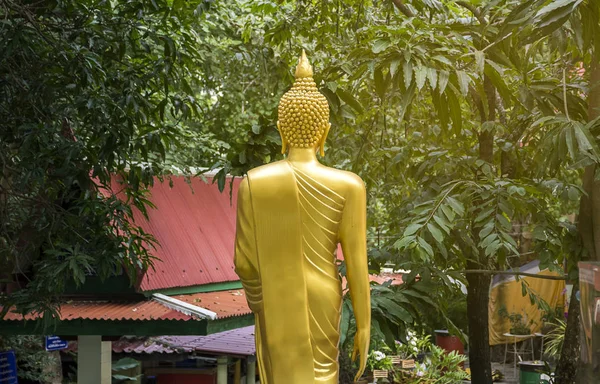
(94, 360)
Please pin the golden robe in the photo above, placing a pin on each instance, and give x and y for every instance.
(284, 256)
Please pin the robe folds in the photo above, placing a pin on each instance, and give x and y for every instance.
(286, 237)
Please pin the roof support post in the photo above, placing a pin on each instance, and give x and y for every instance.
(251, 370)
(94, 360)
(238, 372)
(222, 370)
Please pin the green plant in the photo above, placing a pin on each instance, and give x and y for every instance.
(439, 367)
(413, 346)
(378, 360)
(518, 323)
(124, 365)
(33, 361)
(555, 338)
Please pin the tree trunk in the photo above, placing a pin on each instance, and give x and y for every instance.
(589, 230)
(478, 294)
(53, 371)
(566, 370)
(478, 289)
(594, 112)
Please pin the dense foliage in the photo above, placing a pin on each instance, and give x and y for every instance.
(89, 91)
(470, 121)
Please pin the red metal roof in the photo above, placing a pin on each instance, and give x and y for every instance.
(396, 278)
(106, 310)
(195, 227)
(223, 303)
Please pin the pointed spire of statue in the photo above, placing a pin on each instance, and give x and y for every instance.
(304, 69)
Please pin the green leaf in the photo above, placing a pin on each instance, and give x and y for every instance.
(425, 246)
(412, 229)
(124, 364)
(420, 76)
(380, 45)
(443, 80)
(455, 111)
(350, 100)
(432, 76)
(554, 5)
(396, 311)
(408, 73)
(486, 230)
(448, 212)
(394, 66)
(479, 61)
(435, 232)
(488, 240)
(442, 222)
(570, 141)
(380, 83)
(456, 205)
(404, 242)
(585, 140)
(463, 81)
(573, 194)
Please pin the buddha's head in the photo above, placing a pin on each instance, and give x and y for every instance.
(303, 112)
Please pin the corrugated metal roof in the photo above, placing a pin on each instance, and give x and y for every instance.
(223, 303)
(195, 228)
(237, 342)
(145, 345)
(396, 278)
(106, 310)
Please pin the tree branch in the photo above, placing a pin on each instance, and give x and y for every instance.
(476, 12)
(403, 8)
(488, 272)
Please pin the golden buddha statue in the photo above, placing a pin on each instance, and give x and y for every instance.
(291, 215)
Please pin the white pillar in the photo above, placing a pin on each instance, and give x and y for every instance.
(94, 360)
(222, 370)
(251, 370)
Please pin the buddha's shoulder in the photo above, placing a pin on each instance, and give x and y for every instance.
(345, 179)
(326, 175)
(268, 170)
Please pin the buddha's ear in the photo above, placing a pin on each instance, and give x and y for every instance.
(284, 143)
(323, 138)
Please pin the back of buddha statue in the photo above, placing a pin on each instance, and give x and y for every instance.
(292, 214)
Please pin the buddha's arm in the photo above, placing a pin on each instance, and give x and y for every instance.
(245, 259)
(353, 237)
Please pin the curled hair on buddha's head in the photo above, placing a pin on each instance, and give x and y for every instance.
(303, 111)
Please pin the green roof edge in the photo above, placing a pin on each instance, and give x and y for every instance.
(214, 287)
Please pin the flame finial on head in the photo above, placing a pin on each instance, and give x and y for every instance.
(303, 69)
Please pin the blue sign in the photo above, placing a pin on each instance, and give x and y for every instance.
(8, 368)
(55, 343)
